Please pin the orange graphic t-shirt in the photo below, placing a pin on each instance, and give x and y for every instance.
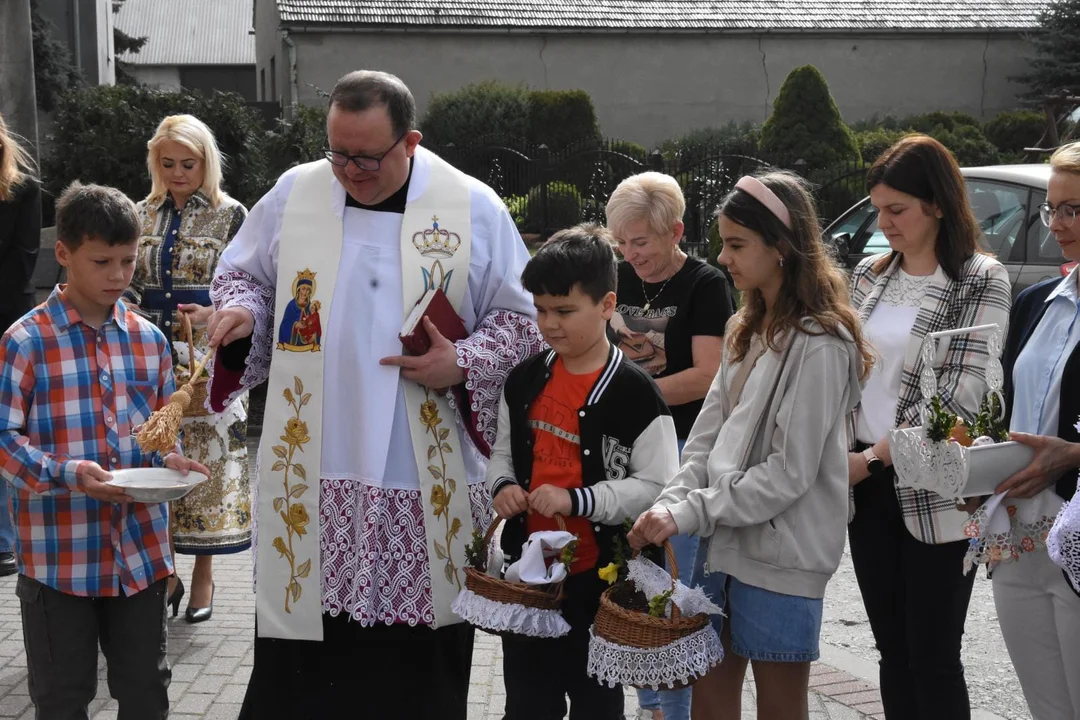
(557, 453)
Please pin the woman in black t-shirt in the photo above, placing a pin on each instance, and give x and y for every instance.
(669, 318)
(672, 308)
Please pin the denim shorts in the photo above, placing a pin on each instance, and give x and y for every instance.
(765, 626)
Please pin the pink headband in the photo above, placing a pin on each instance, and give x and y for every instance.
(757, 190)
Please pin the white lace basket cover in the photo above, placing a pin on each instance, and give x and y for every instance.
(675, 664)
(499, 617)
(1063, 542)
(941, 467)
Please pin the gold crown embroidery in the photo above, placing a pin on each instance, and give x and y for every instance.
(436, 242)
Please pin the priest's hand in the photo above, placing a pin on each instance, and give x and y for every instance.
(549, 500)
(510, 501)
(437, 368)
(229, 324)
(652, 528)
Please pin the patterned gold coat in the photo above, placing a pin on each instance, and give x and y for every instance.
(178, 252)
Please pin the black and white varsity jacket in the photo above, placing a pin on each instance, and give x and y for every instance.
(628, 447)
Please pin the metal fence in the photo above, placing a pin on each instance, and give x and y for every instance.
(546, 191)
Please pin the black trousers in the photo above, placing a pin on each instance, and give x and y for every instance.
(540, 672)
(362, 673)
(916, 596)
(61, 633)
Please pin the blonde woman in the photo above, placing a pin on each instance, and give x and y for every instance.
(1037, 608)
(20, 237)
(187, 221)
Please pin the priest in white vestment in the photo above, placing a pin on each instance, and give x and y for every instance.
(315, 287)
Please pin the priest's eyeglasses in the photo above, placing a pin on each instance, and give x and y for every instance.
(1065, 213)
(364, 162)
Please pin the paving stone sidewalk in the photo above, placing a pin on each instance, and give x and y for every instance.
(212, 661)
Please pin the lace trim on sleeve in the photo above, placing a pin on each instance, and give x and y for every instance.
(238, 289)
(502, 340)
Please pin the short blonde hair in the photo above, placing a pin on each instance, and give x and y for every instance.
(1066, 158)
(15, 163)
(650, 196)
(193, 134)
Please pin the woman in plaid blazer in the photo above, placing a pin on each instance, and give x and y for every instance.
(907, 545)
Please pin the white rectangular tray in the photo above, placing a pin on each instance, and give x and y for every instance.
(990, 465)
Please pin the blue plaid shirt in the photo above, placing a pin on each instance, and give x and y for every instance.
(70, 393)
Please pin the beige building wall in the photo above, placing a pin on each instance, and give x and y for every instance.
(649, 88)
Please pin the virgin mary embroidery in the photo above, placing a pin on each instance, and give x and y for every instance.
(301, 329)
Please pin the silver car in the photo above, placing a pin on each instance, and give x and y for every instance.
(1006, 201)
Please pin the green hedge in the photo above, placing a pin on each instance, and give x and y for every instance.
(697, 145)
(101, 135)
(872, 143)
(565, 208)
(556, 118)
(1014, 130)
(486, 108)
(561, 118)
(298, 139)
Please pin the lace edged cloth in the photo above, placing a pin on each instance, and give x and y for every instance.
(1063, 542)
(651, 579)
(496, 617)
(685, 659)
(998, 535)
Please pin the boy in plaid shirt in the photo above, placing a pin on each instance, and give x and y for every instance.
(77, 374)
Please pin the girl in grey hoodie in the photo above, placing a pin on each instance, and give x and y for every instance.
(764, 480)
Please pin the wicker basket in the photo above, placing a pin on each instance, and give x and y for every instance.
(543, 597)
(197, 407)
(636, 629)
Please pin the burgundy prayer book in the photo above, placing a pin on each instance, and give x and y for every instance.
(435, 306)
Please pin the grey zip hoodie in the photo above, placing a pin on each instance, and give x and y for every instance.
(772, 498)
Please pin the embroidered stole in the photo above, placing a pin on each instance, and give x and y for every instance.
(435, 250)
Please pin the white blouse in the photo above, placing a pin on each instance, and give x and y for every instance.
(888, 329)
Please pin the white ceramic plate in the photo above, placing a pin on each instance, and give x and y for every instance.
(156, 485)
(989, 465)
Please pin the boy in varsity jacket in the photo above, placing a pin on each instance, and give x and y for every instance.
(583, 433)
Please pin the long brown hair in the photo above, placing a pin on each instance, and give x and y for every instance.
(920, 166)
(15, 163)
(813, 285)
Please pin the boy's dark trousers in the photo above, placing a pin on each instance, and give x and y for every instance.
(540, 672)
(61, 634)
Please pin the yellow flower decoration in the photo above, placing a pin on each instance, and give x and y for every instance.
(429, 414)
(296, 432)
(279, 545)
(610, 573)
(298, 517)
(439, 500)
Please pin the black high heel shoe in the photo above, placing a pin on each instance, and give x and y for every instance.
(198, 615)
(176, 597)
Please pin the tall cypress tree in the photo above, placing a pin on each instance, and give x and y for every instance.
(123, 43)
(806, 124)
(1056, 63)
